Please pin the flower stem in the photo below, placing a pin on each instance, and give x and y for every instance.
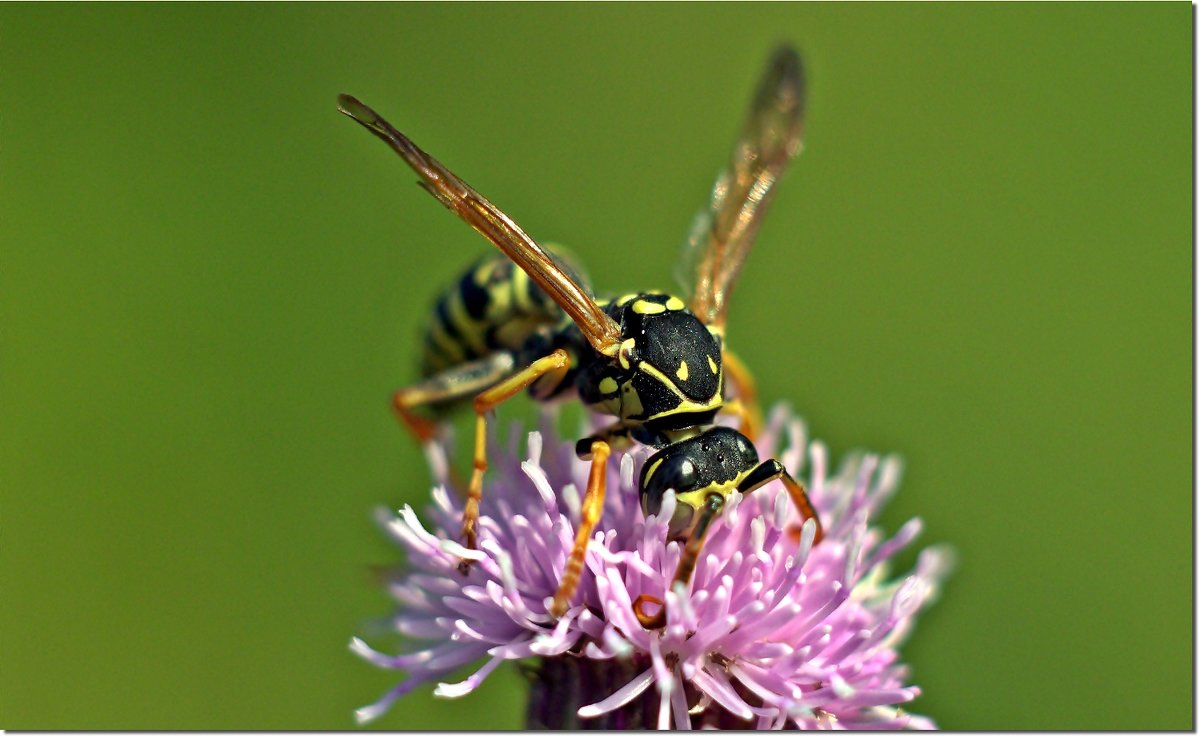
(560, 686)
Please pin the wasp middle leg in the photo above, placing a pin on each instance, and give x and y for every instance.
(555, 365)
(492, 381)
(589, 515)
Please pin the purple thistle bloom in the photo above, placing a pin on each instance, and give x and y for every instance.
(772, 631)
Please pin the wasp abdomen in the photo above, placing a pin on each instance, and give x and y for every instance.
(493, 306)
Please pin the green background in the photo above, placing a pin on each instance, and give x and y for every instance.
(211, 282)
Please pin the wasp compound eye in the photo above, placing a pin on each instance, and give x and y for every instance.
(747, 450)
(669, 469)
(665, 470)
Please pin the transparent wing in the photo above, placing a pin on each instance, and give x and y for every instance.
(600, 329)
(722, 233)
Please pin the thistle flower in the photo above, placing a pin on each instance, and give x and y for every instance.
(772, 631)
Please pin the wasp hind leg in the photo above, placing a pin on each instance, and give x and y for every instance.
(447, 386)
(555, 366)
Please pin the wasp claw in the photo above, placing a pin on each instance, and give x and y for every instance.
(654, 621)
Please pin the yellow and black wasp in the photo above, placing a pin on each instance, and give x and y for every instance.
(527, 319)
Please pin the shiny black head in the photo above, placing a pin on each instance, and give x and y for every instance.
(711, 463)
(667, 372)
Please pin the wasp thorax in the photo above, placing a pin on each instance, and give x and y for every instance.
(713, 462)
(667, 370)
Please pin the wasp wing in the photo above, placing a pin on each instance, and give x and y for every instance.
(723, 233)
(599, 329)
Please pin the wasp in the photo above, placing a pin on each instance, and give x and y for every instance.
(526, 319)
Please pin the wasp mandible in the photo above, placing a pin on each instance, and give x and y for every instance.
(527, 320)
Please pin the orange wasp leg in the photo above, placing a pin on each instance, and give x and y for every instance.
(446, 387)
(590, 511)
(554, 365)
(764, 473)
(768, 471)
(685, 568)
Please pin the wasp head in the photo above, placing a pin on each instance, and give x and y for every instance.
(710, 464)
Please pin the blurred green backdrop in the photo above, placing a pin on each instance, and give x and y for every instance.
(211, 282)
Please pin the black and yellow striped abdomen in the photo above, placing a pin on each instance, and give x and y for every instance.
(494, 306)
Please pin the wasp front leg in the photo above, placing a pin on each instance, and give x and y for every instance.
(686, 566)
(555, 366)
(759, 475)
(768, 471)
